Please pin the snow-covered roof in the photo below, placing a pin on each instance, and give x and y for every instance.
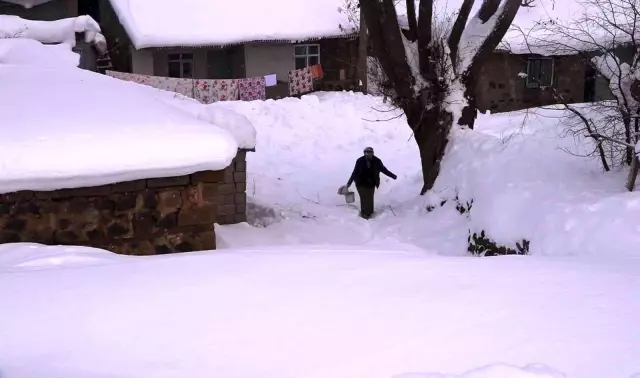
(58, 31)
(164, 23)
(64, 127)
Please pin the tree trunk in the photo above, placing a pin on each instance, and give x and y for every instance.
(431, 133)
(469, 112)
(363, 50)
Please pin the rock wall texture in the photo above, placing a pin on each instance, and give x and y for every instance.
(143, 217)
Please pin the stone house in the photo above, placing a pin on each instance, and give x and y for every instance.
(147, 216)
(511, 82)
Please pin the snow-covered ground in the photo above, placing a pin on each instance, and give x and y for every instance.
(299, 312)
(316, 291)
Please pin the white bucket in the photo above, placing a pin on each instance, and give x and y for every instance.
(350, 197)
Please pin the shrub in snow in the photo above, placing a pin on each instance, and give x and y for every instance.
(481, 245)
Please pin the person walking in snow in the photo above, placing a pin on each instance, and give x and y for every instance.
(366, 175)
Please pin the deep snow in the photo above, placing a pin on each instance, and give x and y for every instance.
(304, 313)
(520, 169)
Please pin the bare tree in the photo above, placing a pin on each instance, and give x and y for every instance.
(605, 36)
(429, 67)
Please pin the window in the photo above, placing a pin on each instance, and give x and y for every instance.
(306, 55)
(539, 72)
(181, 65)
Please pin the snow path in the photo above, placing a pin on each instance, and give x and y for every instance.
(524, 182)
(306, 149)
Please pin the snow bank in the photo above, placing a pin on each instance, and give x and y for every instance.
(85, 129)
(236, 124)
(29, 256)
(31, 52)
(222, 22)
(59, 31)
(332, 313)
(497, 371)
(525, 180)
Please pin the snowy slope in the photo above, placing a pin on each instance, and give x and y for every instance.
(67, 128)
(220, 22)
(317, 314)
(524, 181)
(22, 51)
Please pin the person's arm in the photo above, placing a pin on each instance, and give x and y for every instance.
(354, 175)
(387, 172)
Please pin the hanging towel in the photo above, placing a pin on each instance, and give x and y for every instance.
(300, 81)
(252, 89)
(203, 90)
(182, 86)
(225, 90)
(271, 80)
(317, 72)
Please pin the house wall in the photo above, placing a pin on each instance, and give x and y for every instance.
(143, 217)
(265, 59)
(142, 61)
(53, 10)
(500, 89)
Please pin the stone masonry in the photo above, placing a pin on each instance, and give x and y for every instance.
(143, 217)
(500, 89)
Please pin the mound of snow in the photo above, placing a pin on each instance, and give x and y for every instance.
(527, 179)
(28, 256)
(236, 124)
(31, 52)
(85, 129)
(321, 313)
(58, 31)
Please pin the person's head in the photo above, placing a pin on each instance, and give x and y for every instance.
(368, 152)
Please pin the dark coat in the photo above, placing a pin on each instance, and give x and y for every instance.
(369, 175)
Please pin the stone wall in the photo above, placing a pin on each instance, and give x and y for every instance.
(143, 217)
(500, 89)
(231, 199)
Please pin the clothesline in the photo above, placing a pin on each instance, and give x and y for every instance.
(206, 91)
(301, 80)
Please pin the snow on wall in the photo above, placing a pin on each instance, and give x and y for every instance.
(59, 31)
(161, 23)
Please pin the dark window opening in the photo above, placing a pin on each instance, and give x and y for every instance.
(89, 8)
(539, 72)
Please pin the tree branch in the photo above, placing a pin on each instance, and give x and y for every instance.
(425, 30)
(413, 22)
(504, 19)
(386, 40)
(488, 9)
(458, 28)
